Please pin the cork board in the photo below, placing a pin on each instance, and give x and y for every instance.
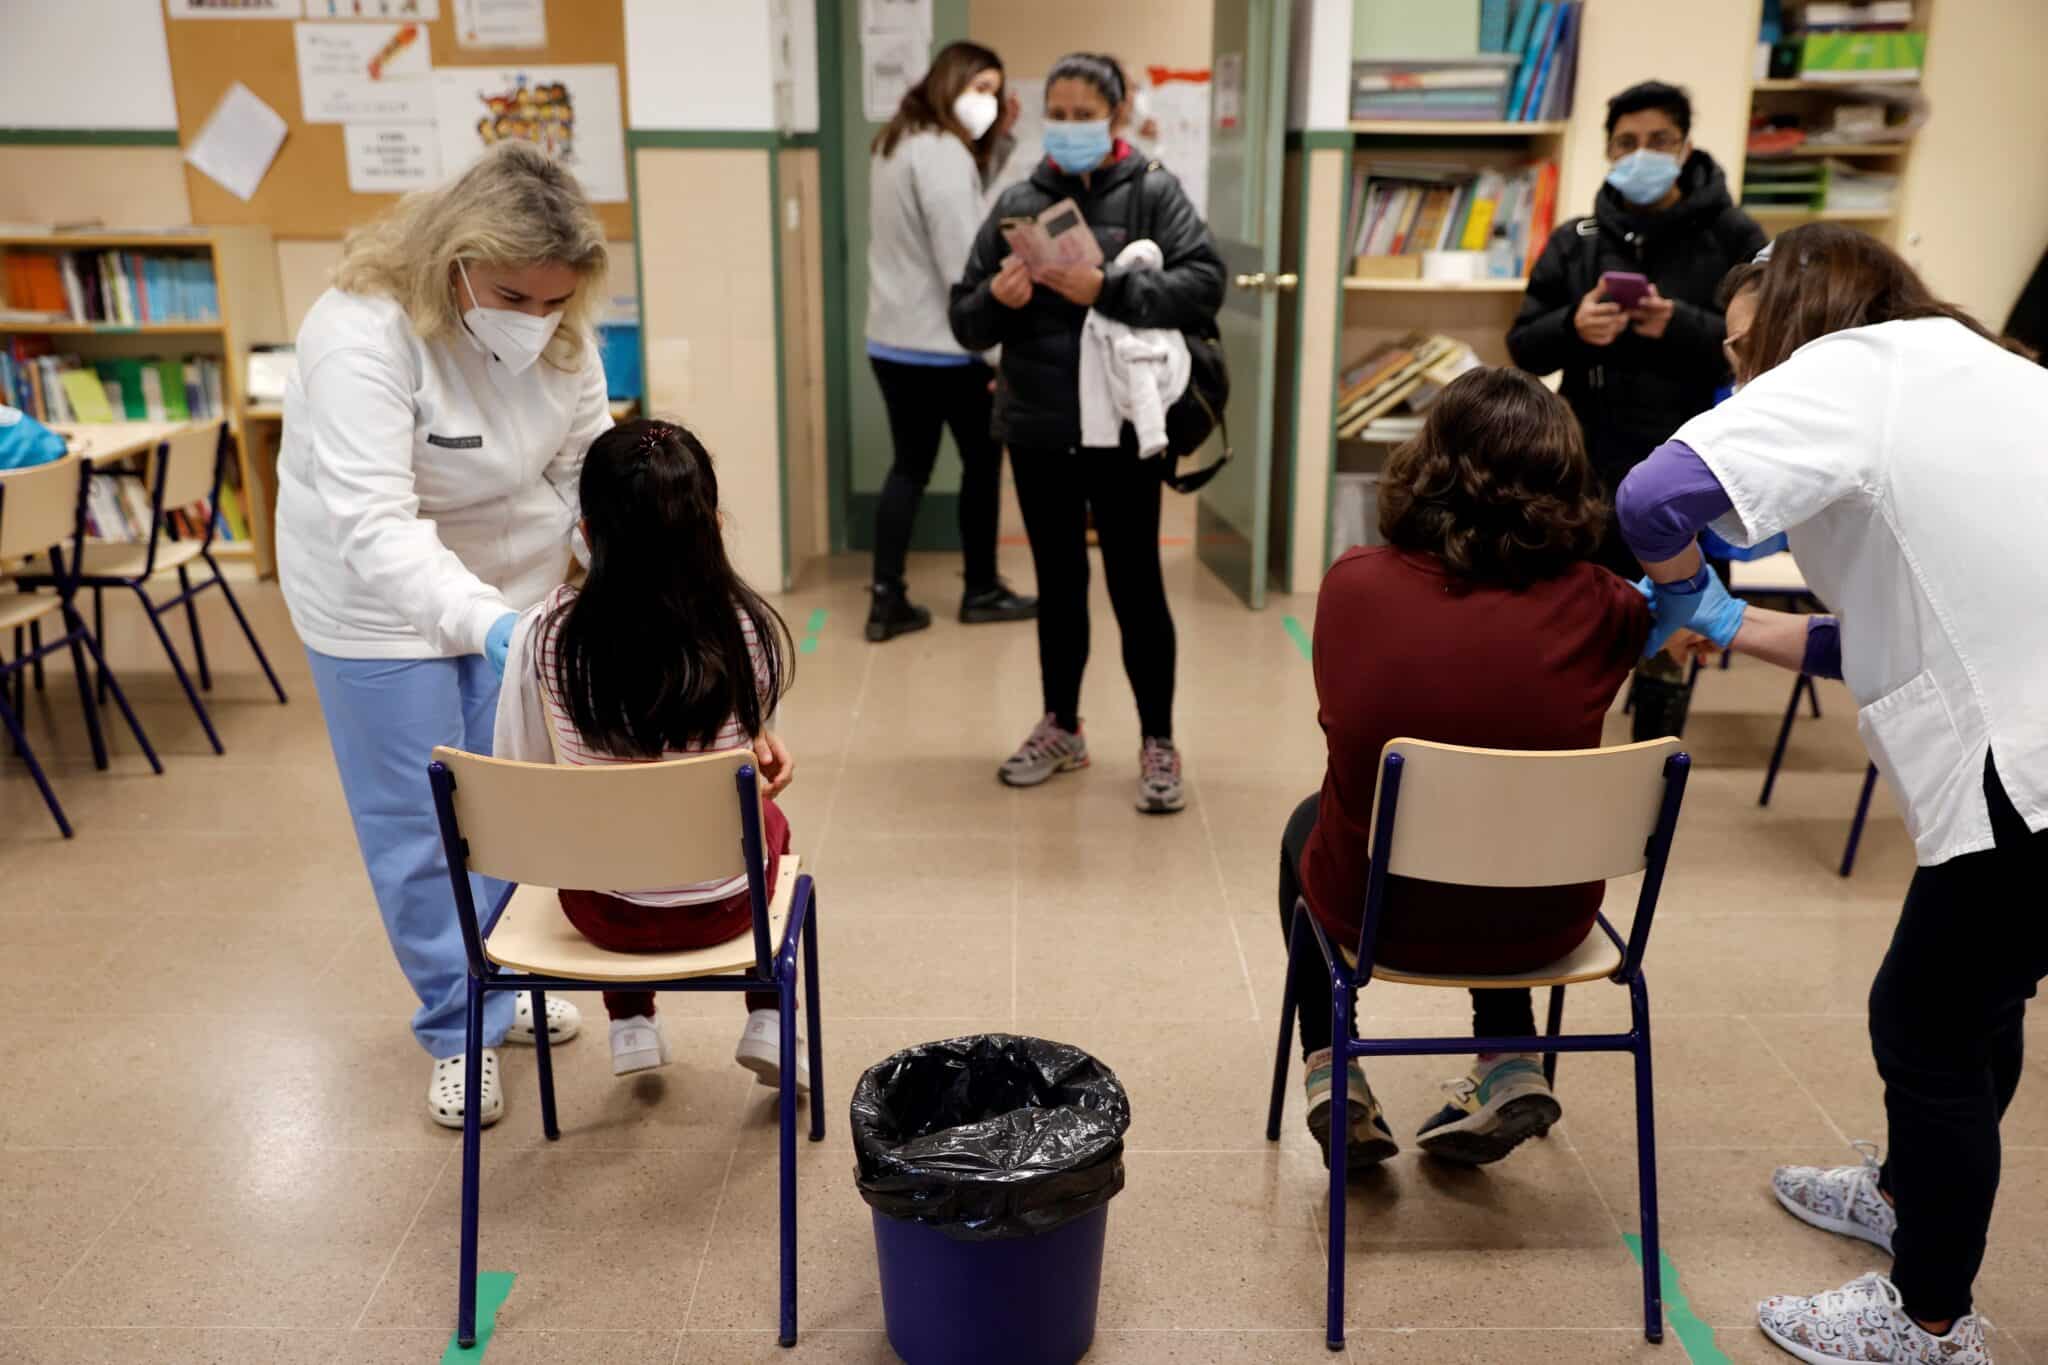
(306, 193)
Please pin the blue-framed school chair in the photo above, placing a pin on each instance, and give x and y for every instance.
(1494, 817)
(186, 469)
(42, 513)
(545, 826)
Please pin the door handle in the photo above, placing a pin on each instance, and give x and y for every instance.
(1283, 282)
(1253, 282)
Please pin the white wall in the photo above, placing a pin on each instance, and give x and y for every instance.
(85, 64)
(699, 65)
(1319, 87)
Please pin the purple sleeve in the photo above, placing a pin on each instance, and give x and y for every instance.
(1823, 647)
(1662, 504)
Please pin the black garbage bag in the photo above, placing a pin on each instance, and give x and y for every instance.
(990, 1136)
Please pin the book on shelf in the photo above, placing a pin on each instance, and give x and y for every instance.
(1412, 370)
(53, 387)
(1403, 211)
(1468, 88)
(1854, 55)
(117, 509)
(1872, 14)
(115, 287)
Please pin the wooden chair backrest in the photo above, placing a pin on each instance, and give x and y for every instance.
(39, 507)
(627, 826)
(1500, 817)
(188, 472)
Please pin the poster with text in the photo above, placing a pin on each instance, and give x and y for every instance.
(392, 158)
(365, 73)
(237, 9)
(425, 10)
(570, 112)
(501, 23)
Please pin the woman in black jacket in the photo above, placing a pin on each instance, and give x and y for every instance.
(1037, 323)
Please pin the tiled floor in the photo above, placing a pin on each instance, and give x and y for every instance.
(215, 1147)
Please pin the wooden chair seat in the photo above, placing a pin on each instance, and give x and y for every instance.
(533, 935)
(20, 608)
(1771, 575)
(1595, 959)
(118, 559)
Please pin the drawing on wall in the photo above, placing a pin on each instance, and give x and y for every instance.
(570, 112)
(365, 73)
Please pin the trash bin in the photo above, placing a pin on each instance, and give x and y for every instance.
(989, 1163)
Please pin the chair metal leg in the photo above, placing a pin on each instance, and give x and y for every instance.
(1340, 1133)
(472, 1150)
(99, 632)
(1646, 1164)
(192, 621)
(35, 646)
(178, 668)
(35, 769)
(1856, 825)
(92, 712)
(786, 1137)
(248, 632)
(1551, 1029)
(544, 1061)
(817, 1027)
(17, 682)
(1813, 697)
(1283, 1055)
(120, 698)
(1784, 734)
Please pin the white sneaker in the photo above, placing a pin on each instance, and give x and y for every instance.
(637, 1045)
(1493, 1109)
(445, 1087)
(760, 1051)
(565, 1021)
(1864, 1321)
(1840, 1199)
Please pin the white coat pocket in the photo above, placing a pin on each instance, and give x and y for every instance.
(1915, 744)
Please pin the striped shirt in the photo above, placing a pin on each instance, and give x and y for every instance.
(571, 748)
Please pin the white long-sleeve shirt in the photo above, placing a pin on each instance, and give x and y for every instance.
(423, 489)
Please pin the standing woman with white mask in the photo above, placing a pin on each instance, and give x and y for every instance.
(926, 186)
(447, 390)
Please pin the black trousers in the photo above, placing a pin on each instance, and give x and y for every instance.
(1056, 489)
(921, 399)
(1494, 1013)
(1945, 1025)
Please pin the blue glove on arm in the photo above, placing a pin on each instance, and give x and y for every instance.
(1699, 602)
(498, 643)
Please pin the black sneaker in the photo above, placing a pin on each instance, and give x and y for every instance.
(891, 613)
(989, 605)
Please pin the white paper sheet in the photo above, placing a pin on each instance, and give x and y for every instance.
(501, 23)
(365, 73)
(912, 17)
(428, 10)
(238, 142)
(391, 158)
(570, 111)
(1179, 113)
(890, 63)
(237, 9)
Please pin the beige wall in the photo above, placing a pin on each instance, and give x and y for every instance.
(118, 186)
(305, 267)
(709, 323)
(803, 358)
(1030, 35)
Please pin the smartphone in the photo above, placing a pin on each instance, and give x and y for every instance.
(1625, 287)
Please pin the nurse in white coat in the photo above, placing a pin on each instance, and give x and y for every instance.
(447, 388)
(1905, 452)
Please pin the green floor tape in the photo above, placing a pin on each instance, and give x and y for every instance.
(492, 1287)
(1300, 638)
(811, 628)
(1695, 1336)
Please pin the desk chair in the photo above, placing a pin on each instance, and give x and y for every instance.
(42, 508)
(185, 470)
(1493, 817)
(642, 824)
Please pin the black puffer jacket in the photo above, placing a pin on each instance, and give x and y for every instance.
(1038, 386)
(1632, 394)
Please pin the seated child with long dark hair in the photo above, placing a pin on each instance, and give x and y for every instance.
(661, 653)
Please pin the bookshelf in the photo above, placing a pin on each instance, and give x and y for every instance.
(1453, 128)
(1354, 285)
(251, 311)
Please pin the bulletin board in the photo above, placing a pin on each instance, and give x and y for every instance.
(306, 193)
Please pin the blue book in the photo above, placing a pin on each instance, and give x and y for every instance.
(1546, 59)
(1532, 40)
(1493, 25)
(1564, 67)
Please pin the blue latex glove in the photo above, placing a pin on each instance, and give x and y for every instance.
(1709, 610)
(498, 643)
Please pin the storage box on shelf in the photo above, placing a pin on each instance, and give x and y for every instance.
(147, 325)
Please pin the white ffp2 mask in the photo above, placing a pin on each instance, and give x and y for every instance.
(976, 110)
(512, 338)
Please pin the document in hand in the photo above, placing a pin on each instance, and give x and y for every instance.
(1058, 236)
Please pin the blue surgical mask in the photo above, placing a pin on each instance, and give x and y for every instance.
(1078, 147)
(1644, 177)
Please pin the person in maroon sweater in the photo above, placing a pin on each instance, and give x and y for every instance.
(1480, 622)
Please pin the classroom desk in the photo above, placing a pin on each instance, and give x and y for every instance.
(97, 441)
(263, 429)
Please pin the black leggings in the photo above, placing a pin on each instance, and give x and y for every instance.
(921, 399)
(1945, 1025)
(1495, 1014)
(1056, 488)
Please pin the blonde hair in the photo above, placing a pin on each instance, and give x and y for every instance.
(515, 207)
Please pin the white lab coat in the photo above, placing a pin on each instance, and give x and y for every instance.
(423, 489)
(1130, 374)
(1908, 461)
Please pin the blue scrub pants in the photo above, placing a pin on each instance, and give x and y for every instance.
(384, 717)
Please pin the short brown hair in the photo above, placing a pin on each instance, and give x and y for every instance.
(1498, 485)
(1823, 278)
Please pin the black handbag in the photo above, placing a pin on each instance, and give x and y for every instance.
(1199, 410)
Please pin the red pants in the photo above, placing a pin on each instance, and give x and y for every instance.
(622, 926)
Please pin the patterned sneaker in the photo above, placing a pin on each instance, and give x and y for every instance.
(1047, 750)
(1370, 1141)
(1840, 1199)
(1159, 784)
(1493, 1109)
(1863, 1321)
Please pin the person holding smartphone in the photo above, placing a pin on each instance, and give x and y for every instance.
(1623, 302)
